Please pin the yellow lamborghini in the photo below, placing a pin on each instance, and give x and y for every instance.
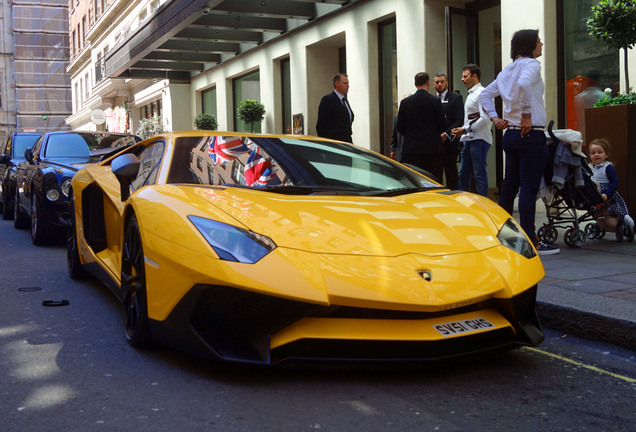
(266, 249)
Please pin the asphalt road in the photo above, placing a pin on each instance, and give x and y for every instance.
(69, 368)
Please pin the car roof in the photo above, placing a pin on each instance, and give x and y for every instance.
(88, 132)
(27, 133)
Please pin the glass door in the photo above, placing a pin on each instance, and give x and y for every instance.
(473, 35)
(462, 44)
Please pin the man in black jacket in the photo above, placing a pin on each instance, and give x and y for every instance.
(334, 113)
(421, 121)
(453, 107)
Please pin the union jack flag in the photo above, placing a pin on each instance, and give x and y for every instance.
(266, 178)
(258, 170)
(225, 149)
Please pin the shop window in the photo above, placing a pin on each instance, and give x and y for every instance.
(286, 95)
(244, 88)
(588, 67)
(388, 80)
(208, 101)
(151, 110)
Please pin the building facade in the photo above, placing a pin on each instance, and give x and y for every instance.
(35, 91)
(178, 58)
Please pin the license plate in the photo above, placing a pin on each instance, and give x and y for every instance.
(455, 328)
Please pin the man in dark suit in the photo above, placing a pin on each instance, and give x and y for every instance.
(421, 121)
(453, 107)
(397, 139)
(334, 113)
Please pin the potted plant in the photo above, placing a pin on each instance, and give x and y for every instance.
(251, 111)
(149, 127)
(614, 118)
(205, 121)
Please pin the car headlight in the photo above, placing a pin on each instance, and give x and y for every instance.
(511, 236)
(52, 194)
(232, 243)
(66, 187)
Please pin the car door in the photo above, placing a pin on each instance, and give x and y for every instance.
(5, 163)
(31, 174)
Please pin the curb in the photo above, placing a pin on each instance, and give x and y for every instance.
(588, 325)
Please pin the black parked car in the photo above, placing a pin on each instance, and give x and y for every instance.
(12, 153)
(44, 178)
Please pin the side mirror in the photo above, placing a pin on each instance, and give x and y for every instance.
(28, 155)
(125, 168)
(3, 159)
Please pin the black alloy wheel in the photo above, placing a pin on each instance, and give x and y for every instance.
(73, 262)
(133, 287)
(40, 230)
(20, 220)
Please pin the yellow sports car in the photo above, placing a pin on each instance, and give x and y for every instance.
(266, 249)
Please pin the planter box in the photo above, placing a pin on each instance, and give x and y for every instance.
(617, 123)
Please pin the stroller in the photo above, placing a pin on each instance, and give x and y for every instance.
(572, 197)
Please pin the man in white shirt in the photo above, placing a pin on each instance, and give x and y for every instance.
(476, 134)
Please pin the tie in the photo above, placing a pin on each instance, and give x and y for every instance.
(441, 98)
(344, 102)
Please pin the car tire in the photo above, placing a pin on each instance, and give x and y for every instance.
(133, 287)
(20, 220)
(73, 262)
(40, 229)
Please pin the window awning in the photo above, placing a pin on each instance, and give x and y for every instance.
(186, 37)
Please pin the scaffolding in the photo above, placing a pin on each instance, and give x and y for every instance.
(40, 56)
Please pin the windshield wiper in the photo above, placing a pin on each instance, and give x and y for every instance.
(310, 190)
(405, 191)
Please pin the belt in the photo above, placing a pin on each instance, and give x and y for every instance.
(514, 127)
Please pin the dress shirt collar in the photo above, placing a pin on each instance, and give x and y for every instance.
(474, 88)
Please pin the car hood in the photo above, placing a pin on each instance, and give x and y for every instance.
(432, 223)
(74, 164)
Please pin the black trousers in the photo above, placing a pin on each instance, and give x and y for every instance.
(450, 169)
(432, 163)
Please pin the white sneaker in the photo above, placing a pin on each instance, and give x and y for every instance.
(629, 221)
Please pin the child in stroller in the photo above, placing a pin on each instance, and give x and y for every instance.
(605, 176)
(572, 198)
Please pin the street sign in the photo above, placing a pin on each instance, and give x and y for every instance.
(98, 117)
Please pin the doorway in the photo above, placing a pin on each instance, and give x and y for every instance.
(473, 35)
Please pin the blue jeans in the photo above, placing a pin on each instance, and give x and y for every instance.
(525, 161)
(474, 160)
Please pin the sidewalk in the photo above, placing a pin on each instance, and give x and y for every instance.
(590, 292)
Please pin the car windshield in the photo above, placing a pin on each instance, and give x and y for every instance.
(84, 145)
(290, 166)
(21, 143)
